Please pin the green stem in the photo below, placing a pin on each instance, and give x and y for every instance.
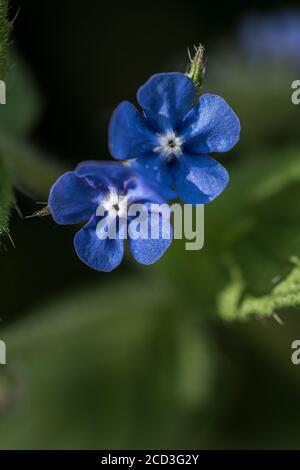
(6, 191)
(6, 198)
(5, 28)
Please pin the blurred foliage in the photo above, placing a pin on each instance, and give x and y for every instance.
(260, 95)
(23, 108)
(32, 171)
(252, 242)
(22, 165)
(112, 367)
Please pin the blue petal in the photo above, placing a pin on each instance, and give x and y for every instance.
(147, 250)
(166, 98)
(129, 135)
(102, 255)
(156, 170)
(104, 175)
(72, 199)
(199, 179)
(132, 178)
(212, 126)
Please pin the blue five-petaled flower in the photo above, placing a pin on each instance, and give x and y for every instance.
(77, 197)
(171, 140)
(167, 145)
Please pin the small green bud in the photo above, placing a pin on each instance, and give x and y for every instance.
(197, 66)
(41, 213)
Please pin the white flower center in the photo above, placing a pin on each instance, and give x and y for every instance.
(169, 145)
(115, 204)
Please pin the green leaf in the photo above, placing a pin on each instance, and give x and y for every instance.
(284, 295)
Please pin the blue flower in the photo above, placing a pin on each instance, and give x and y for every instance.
(171, 140)
(102, 194)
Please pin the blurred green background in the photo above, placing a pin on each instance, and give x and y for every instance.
(185, 353)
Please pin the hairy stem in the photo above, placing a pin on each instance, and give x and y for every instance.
(5, 28)
(6, 198)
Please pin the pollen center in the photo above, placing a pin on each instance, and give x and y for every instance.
(170, 145)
